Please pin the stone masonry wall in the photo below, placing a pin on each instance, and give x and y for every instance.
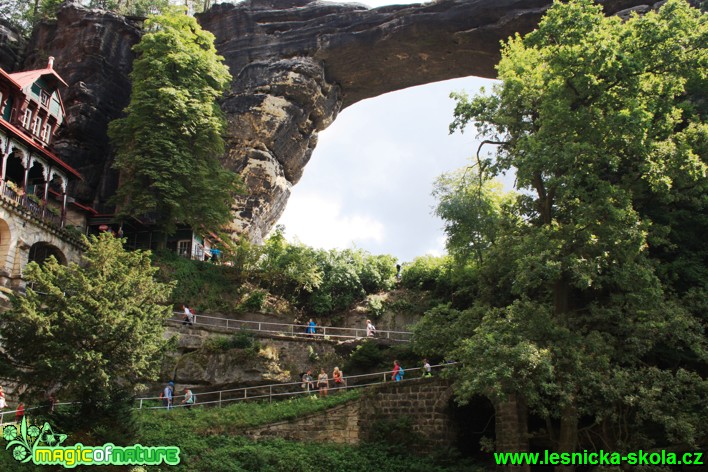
(337, 425)
(424, 401)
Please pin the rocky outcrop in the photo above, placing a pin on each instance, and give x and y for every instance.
(296, 64)
(11, 46)
(92, 50)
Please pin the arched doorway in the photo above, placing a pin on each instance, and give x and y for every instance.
(41, 251)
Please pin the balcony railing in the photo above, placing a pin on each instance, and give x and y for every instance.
(40, 211)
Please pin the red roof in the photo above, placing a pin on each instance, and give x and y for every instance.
(49, 155)
(29, 77)
(9, 78)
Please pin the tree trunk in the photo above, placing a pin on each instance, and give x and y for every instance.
(512, 430)
(568, 438)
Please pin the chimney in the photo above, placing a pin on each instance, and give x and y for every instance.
(50, 63)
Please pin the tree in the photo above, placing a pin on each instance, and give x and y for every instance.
(92, 331)
(168, 145)
(601, 120)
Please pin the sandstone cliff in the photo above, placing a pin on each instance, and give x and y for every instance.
(296, 64)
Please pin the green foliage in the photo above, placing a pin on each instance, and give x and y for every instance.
(318, 281)
(254, 301)
(582, 304)
(201, 285)
(92, 330)
(240, 340)
(426, 272)
(169, 143)
(209, 440)
(375, 304)
(395, 436)
(472, 209)
(365, 357)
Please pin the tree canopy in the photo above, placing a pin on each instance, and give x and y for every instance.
(169, 143)
(586, 292)
(92, 331)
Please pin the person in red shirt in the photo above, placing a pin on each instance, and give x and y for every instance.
(396, 369)
(20, 412)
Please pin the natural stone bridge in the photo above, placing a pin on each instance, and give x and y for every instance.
(296, 64)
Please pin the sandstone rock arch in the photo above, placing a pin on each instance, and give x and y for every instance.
(296, 64)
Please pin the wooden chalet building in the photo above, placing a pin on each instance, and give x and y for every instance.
(37, 216)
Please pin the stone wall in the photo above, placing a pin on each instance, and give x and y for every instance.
(340, 425)
(424, 401)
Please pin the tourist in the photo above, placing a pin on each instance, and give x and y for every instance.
(338, 378)
(19, 412)
(311, 327)
(323, 382)
(188, 398)
(51, 402)
(188, 318)
(166, 395)
(427, 369)
(307, 381)
(398, 372)
(370, 329)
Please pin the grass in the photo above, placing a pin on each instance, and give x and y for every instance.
(209, 441)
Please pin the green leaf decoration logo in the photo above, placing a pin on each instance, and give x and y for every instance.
(24, 440)
(49, 437)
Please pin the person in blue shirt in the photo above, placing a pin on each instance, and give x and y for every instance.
(311, 327)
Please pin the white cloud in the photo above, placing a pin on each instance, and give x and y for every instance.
(317, 220)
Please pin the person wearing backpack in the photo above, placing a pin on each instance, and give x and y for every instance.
(398, 372)
(189, 398)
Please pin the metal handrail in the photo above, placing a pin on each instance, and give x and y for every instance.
(326, 332)
(233, 396)
(13, 413)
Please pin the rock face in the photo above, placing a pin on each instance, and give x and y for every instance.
(11, 46)
(92, 50)
(296, 64)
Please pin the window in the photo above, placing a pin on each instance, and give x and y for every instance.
(36, 126)
(47, 133)
(27, 119)
(184, 248)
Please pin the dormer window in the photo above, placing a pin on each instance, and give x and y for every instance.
(44, 98)
(27, 119)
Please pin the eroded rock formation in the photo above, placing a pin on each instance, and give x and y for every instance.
(296, 64)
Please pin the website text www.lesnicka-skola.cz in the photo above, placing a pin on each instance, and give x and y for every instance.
(601, 457)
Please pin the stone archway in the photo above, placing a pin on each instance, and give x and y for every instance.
(296, 64)
(41, 251)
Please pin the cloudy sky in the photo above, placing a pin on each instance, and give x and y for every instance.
(369, 182)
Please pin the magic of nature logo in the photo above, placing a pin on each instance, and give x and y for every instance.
(43, 446)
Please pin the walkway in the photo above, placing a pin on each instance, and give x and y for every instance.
(283, 390)
(286, 329)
